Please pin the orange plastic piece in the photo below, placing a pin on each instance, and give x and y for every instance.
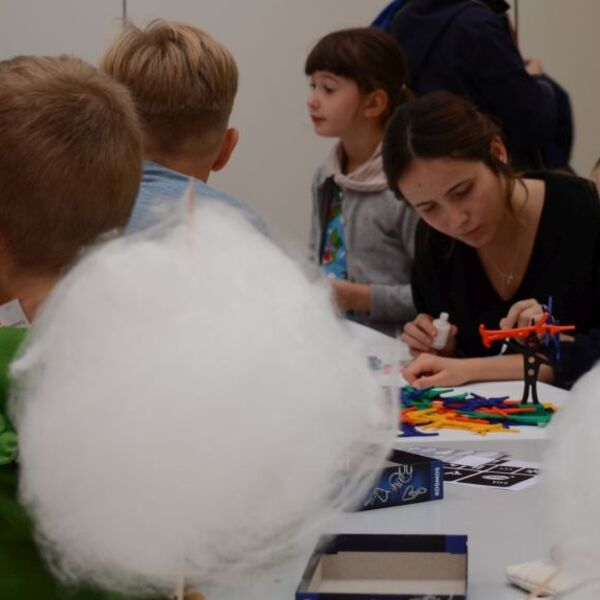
(540, 328)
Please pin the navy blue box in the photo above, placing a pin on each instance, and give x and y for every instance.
(386, 567)
(405, 479)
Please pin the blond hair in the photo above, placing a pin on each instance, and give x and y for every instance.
(183, 81)
(70, 164)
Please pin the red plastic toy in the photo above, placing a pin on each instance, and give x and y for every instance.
(532, 348)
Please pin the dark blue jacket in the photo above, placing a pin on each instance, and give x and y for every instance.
(384, 19)
(465, 47)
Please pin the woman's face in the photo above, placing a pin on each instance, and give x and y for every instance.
(463, 199)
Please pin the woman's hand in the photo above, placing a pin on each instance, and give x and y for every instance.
(430, 370)
(419, 334)
(522, 313)
(534, 66)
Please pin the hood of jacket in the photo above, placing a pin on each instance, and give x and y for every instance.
(384, 19)
(369, 177)
(419, 24)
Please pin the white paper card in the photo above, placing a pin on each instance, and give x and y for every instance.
(12, 315)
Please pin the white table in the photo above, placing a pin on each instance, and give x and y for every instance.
(504, 527)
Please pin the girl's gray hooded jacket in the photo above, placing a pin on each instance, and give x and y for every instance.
(379, 237)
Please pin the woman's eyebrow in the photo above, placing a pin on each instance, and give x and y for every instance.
(452, 189)
(456, 185)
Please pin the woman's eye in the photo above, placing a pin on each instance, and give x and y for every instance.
(461, 193)
(428, 208)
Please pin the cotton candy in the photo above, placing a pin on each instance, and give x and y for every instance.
(572, 485)
(187, 405)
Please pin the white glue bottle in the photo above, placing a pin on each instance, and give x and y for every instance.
(443, 329)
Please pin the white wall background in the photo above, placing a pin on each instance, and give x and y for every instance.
(565, 35)
(273, 165)
(80, 27)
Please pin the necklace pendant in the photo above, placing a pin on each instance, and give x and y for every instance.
(508, 279)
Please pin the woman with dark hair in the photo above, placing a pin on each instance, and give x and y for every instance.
(488, 238)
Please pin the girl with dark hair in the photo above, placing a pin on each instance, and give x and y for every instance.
(488, 238)
(361, 235)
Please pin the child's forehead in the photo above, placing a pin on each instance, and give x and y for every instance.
(324, 74)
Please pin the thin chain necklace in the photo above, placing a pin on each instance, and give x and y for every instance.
(508, 277)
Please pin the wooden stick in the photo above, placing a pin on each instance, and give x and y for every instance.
(180, 589)
(190, 209)
(541, 588)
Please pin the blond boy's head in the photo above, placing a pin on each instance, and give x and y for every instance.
(70, 163)
(184, 83)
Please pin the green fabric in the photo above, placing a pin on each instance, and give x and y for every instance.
(14, 524)
(23, 574)
(10, 340)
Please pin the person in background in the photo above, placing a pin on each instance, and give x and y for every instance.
(184, 83)
(70, 169)
(488, 238)
(385, 17)
(596, 174)
(361, 235)
(467, 47)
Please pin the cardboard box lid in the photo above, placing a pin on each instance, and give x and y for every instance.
(387, 565)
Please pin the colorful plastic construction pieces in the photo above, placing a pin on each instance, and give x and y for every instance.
(540, 328)
(435, 408)
(528, 342)
(407, 430)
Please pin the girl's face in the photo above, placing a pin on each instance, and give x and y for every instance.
(463, 199)
(334, 104)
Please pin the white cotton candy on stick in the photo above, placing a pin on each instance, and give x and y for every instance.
(572, 485)
(187, 403)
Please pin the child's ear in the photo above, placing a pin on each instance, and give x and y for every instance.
(227, 147)
(376, 104)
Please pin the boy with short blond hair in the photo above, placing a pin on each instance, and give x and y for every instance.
(70, 168)
(184, 83)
